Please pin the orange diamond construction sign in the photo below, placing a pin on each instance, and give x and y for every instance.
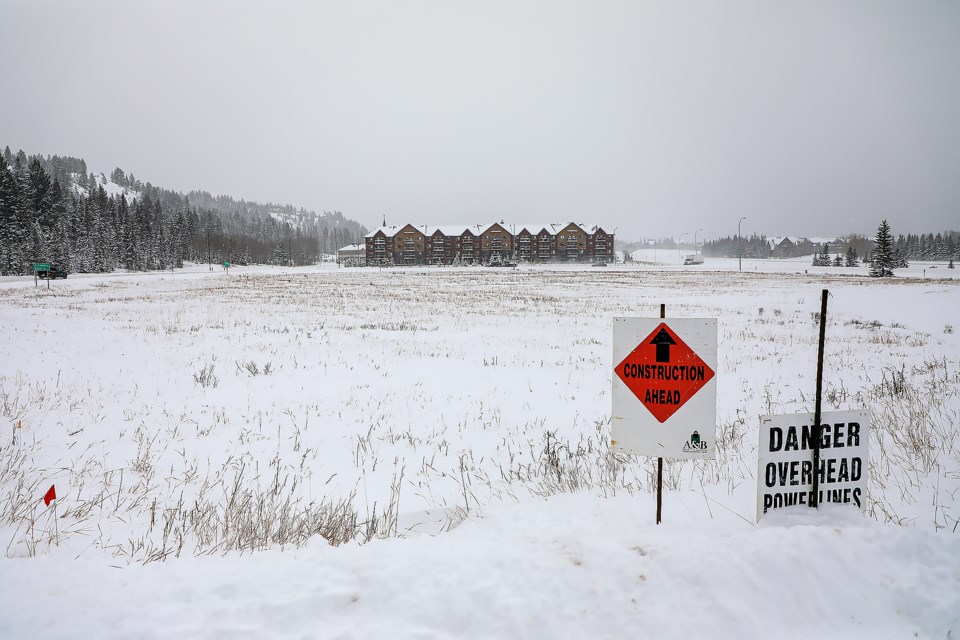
(664, 387)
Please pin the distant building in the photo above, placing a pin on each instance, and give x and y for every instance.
(494, 243)
(784, 247)
(794, 246)
(352, 254)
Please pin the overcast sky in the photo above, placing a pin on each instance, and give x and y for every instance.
(656, 118)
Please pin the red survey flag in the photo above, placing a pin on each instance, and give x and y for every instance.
(50, 495)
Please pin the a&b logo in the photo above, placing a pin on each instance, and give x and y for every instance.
(694, 443)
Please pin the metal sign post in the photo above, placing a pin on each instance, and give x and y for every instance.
(813, 458)
(816, 412)
(663, 314)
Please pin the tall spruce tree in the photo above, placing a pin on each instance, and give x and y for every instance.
(11, 224)
(822, 257)
(280, 256)
(59, 231)
(881, 266)
(40, 195)
(851, 257)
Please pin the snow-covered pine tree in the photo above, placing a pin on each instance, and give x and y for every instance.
(156, 258)
(177, 235)
(881, 266)
(59, 232)
(142, 234)
(161, 242)
(11, 223)
(78, 208)
(280, 254)
(37, 250)
(128, 235)
(851, 257)
(822, 259)
(102, 235)
(899, 261)
(117, 176)
(39, 195)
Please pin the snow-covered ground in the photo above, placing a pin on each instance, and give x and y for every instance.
(111, 188)
(210, 434)
(669, 260)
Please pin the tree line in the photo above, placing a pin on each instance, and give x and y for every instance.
(850, 249)
(53, 210)
(753, 246)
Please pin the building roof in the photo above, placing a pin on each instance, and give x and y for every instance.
(450, 230)
(776, 241)
(552, 228)
(556, 227)
(593, 228)
(387, 231)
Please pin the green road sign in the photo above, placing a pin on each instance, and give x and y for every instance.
(41, 266)
(226, 264)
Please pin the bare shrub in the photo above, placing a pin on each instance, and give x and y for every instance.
(253, 369)
(206, 377)
(915, 441)
(560, 467)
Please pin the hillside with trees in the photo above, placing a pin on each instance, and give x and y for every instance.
(53, 210)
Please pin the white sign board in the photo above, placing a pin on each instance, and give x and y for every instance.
(785, 459)
(665, 387)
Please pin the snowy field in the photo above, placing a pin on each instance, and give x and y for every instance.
(356, 453)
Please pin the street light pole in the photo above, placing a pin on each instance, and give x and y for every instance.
(695, 245)
(740, 242)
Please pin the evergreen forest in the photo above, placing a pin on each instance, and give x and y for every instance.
(53, 210)
(931, 246)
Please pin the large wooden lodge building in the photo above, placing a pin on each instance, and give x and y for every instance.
(495, 243)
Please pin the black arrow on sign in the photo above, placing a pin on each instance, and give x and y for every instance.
(663, 342)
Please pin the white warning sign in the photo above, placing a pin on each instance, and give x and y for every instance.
(785, 460)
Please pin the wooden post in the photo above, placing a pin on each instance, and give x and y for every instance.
(815, 502)
(663, 314)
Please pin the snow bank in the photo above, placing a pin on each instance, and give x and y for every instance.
(569, 567)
